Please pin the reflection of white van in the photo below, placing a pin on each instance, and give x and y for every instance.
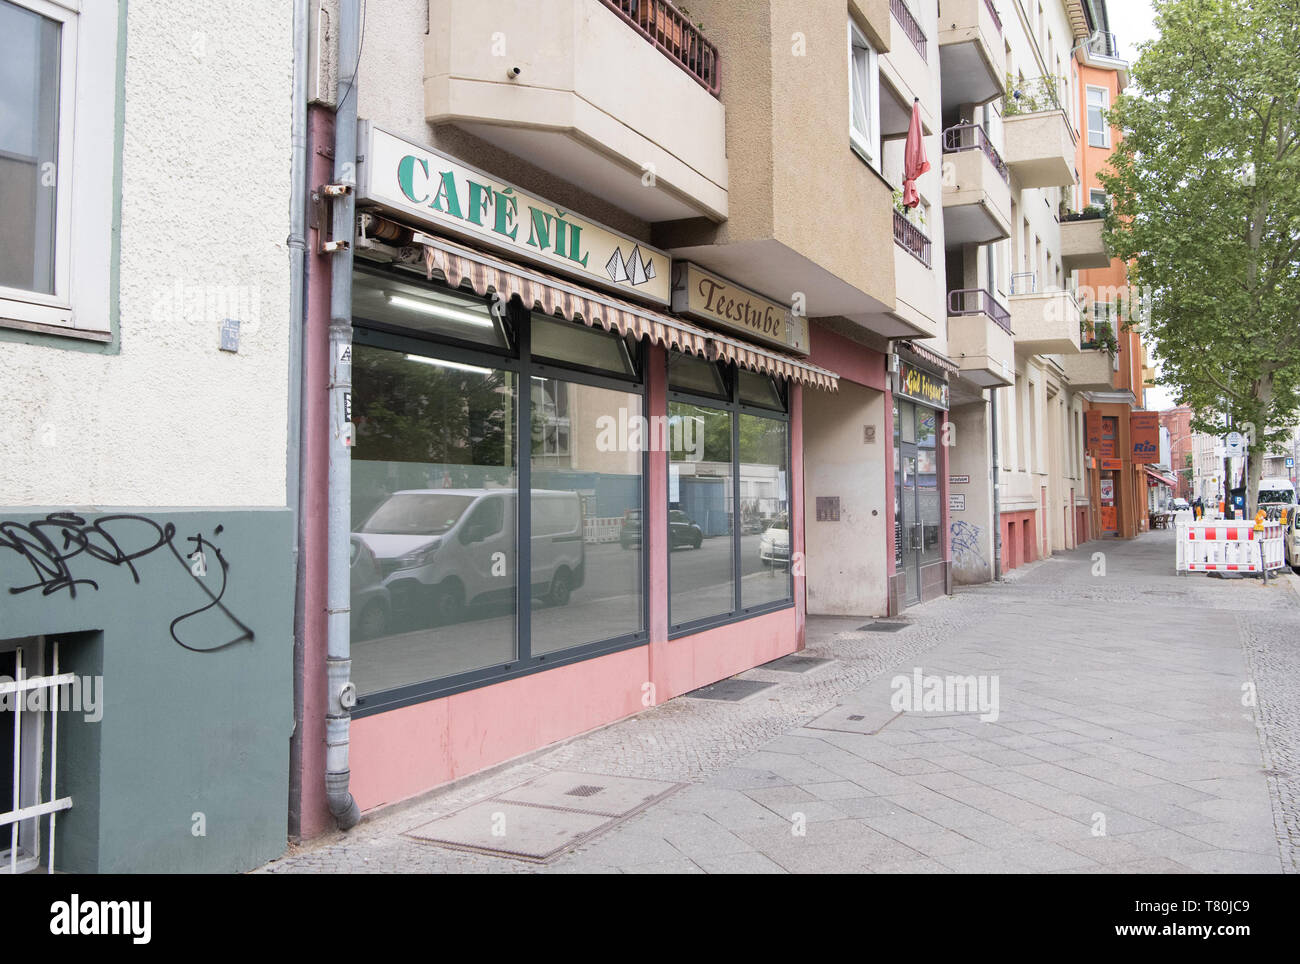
(446, 549)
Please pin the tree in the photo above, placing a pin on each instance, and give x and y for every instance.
(1206, 204)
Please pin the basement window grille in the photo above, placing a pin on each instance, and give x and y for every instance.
(29, 740)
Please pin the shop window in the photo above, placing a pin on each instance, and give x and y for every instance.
(574, 344)
(729, 529)
(384, 300)
(440, 535)
(690, 373)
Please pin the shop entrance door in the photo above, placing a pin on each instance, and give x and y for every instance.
(908, 549)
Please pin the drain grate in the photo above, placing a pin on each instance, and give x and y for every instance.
(730, 690)
(584, 790)
(857, 716)
(882, 627)
(795, 664)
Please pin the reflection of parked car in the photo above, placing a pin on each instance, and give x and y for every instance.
(1180, 505)
(370, 599)
(630, 534)
(682, 531)
(774, 543)
(446, 549)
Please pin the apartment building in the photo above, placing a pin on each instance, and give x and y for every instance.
(146, 538)
(1178, 423)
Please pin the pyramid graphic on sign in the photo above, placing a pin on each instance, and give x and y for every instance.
(635, 269)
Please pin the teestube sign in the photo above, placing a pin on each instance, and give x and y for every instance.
(434, 189)
(715, 300)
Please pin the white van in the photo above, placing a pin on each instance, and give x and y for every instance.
(442, 550)
(1276, 492)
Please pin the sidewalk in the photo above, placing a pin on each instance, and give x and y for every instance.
(1120, 744)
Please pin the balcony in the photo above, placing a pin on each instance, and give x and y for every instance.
(1092, 370)
(980, 339)
(911, 238)
(1081, 243)
(1046, 322)
(972, 55)
(905, 75)
(1039, 148)
(976, 189)
(572, 109)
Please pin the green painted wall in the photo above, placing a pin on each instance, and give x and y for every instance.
(182, 732)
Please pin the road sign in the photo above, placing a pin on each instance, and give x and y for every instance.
(1235, 443)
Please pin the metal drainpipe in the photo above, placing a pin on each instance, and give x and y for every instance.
(297, 319)
(338, 662)
(997, 514)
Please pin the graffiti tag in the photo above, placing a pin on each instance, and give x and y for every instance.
(50, 544)
(966, 544)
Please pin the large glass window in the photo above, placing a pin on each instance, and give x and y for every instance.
(729, 514)
(441, 381)
(29, 142)
(433, 518)
(864, 97)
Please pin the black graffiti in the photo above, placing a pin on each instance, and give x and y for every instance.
(50, 544)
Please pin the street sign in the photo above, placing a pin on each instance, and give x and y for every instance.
(1235, 443)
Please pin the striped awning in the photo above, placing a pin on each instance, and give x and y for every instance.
(1159, 478)
(772, 363)
(927, 356)
(458, 264)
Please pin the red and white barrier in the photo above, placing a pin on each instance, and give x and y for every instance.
(1218, 545)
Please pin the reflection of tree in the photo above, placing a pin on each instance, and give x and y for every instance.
(763, 441)
(411, 412)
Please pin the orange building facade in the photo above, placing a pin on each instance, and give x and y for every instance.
(1117, 483)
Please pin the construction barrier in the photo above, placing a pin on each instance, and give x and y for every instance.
(602, 530)
(1229, 546)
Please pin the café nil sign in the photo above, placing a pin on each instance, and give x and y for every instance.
(720, 303)
(429, 187)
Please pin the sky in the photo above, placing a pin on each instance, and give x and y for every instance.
(1131, 21)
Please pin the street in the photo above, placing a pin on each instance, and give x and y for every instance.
(1153, 730)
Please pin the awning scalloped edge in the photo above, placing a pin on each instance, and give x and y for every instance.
(554, 296)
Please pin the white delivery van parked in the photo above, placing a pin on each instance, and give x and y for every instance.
(444, 550)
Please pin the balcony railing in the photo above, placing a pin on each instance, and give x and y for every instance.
(967, 137)
(1024, 283)
(994, 14)
(680, 40)
(979, 301)
(909, 24)
(911, 238)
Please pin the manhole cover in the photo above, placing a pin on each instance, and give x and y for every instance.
(730, 690)
(584, 791)
(882, 627)
(795, 664)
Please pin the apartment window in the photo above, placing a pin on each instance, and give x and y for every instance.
(56, 65)
(730, 532)
(497, 491)
(29, 702)
(1098, 199)
(1098, 130)
(864, 96)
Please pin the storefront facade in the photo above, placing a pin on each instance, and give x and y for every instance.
(920, 465)
(662, 456)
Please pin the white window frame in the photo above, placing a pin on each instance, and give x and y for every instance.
(1092, 198)
(1104, 133)
(87, 105)
(865, 143)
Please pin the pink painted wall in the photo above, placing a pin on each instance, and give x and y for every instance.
(848, 359)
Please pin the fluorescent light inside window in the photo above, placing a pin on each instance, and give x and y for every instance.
(440, 363)
(439, 311)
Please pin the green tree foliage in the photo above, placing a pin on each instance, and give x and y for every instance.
(1206, 203)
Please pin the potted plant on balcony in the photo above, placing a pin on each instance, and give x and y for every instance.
(658, 20)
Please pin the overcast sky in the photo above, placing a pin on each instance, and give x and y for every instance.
(1131, 23)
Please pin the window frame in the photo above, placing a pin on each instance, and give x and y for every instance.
(735, 408)
(866, 144)
(35, 307)
(1104, 132)
(519, 361)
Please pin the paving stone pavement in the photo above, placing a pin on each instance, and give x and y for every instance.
(1125, 741)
